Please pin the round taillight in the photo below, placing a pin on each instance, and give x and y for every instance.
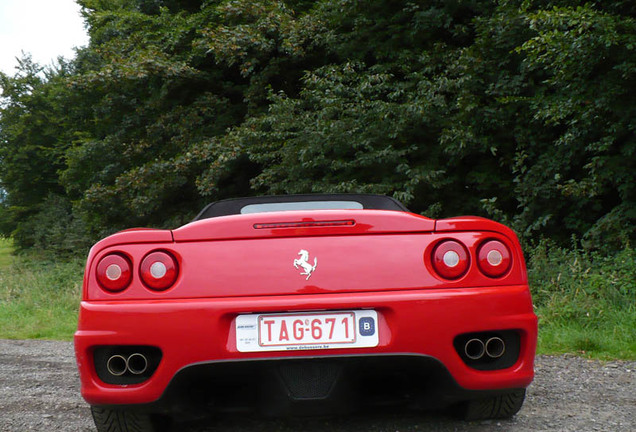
(450, 259)
(114, 272)
(493, 258)
(159, 270)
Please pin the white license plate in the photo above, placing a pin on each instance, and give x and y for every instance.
(307, 331)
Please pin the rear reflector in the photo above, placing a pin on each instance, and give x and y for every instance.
(305, 224)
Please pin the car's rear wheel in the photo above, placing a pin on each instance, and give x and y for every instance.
(111, 420)
(496, 407)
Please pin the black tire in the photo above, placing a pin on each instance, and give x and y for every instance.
(496, 407)
(111, 420)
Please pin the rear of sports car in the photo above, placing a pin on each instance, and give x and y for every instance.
(306, 312)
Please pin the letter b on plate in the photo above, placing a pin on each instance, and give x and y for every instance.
(367, 326)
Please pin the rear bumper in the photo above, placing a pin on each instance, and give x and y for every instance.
(421, 323)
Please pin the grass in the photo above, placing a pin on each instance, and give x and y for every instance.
(39, 299)
(6, 249)
(586, 302)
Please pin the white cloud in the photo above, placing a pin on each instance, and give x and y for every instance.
(44, 28)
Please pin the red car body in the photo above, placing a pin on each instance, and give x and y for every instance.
(459, 335)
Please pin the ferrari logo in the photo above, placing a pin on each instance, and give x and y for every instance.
(303, 262)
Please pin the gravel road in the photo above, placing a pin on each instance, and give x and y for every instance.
(39, 391)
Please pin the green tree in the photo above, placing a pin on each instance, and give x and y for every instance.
(520, 110)
(585, 56)
(33, 140)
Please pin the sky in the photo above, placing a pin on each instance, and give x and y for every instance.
(44, 28)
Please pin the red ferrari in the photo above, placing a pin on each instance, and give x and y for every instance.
(305, 305)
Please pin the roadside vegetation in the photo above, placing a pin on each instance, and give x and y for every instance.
(586, 303)
(521, 111)
(39, 296)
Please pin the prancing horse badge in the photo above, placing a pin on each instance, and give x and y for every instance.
(303, 262)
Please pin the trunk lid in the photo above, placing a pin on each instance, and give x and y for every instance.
(304, 253)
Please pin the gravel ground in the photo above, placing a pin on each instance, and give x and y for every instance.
(39, 390)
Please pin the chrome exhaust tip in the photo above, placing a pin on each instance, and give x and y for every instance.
(117, 365)
(495, 347)
(474, 349)
(137, 364)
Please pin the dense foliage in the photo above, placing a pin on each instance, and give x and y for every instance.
(518, 110)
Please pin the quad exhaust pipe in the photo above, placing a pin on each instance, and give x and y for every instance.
(474, 349)
(126, 364)
(493, 348)
(117, 365)
(135, 364)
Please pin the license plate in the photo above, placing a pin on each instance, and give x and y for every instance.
(307, 331)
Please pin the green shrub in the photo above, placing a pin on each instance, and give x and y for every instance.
(586, 302)
(38, 298)
(53, 230)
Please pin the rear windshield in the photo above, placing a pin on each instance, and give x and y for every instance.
(299, 202)
(307, 205)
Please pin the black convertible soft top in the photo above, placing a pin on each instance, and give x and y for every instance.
(299, 202)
